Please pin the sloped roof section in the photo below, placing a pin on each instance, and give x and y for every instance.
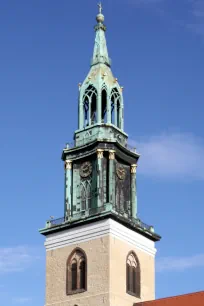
(191, 299)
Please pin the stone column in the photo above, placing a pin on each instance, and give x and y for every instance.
(121, 118)
(89, 113)
(116, 112)
(108, 109)
(112, 178)
(68, 187)
(133, 190)
(121, 111)
(99, 108)
(99, 177)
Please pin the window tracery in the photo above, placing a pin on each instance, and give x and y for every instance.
(89, 104)
(76, 272)
(133, 274)
(85, 187)
(104, 104)
(115, 107)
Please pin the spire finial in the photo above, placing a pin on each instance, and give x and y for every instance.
(100, 16)
(100, 54)
(100, 7)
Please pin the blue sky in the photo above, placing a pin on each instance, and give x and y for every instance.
(156, 48)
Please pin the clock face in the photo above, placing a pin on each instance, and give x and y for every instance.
(86, 169)
(121, 172)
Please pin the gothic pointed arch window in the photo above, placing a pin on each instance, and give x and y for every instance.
(76, 272)
(85, 187)
(133, 275)
(89, 106)
(83, 197)
(104, 104)
(115, 108)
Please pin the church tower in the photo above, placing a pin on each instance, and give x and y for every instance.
(99, 252)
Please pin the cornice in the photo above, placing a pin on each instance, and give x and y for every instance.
(96, 230)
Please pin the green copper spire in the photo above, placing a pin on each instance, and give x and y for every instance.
(100, 96)
(100, 54)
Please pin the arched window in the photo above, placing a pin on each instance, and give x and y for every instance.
(104, 104)
(83, 197)
(93, 109)
(133, 275)
(86, 194)
(89, 103)
(86, 111)
(82, 273)
(76, 272)
(115, 108)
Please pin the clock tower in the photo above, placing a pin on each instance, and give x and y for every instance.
(99, 252)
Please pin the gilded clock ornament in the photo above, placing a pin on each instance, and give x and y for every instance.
(86, 169)
(121, 172)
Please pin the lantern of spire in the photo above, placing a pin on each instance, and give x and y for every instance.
(100, 95)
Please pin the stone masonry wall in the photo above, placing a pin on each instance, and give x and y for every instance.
(97, 251)
(118, 253)
(106, 274)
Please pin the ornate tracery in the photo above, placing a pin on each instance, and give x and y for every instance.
(89, 106)
(116, 108)
(104, 105)
(85, 190)
(133, 274)
(76, 272)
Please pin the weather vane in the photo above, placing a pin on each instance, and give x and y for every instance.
(100, 7)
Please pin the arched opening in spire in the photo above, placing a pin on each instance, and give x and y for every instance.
(104, 105)
(86, 111)
(115, 108)
(89, 106)
(93, 109)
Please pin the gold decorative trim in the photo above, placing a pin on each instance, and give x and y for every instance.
(133, 168)
(111, 154)
(99, 153)
(68, 164)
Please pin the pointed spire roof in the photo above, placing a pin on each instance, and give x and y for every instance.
(100, 74)
(100, 53)
(100, 95)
